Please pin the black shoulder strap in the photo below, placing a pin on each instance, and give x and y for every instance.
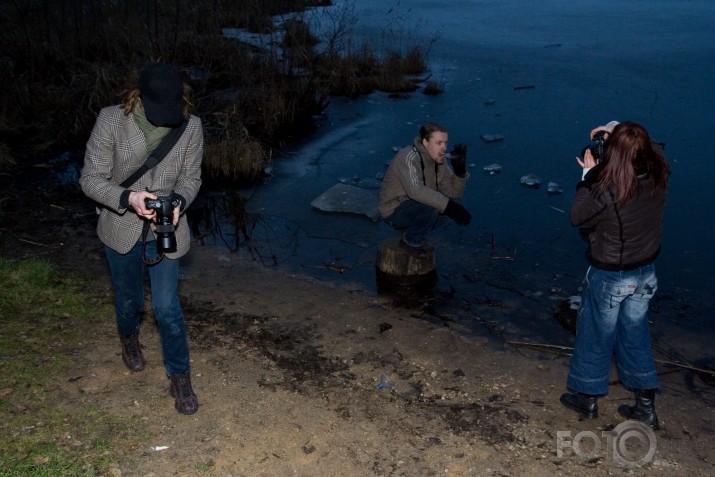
(166, 145)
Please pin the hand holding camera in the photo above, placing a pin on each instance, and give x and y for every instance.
(588, 161)
(458, 158)
(137, 203)
(597, 148)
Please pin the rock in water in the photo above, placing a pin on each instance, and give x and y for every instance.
(553, 188)
(493, 168)
(566, 315)
(530, 180)
(345, 198)
(491, 137)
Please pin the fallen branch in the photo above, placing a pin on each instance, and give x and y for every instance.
(329, 266)
(539, 345)
(569, 348)
(686, 366)
(32, 243)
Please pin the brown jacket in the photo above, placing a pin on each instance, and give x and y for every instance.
(620, 237)
(115, 149)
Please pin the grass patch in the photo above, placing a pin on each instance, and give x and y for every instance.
(44, 318)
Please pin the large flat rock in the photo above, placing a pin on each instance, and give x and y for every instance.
(345, 198)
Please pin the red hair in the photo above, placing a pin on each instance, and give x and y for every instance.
(630, 154)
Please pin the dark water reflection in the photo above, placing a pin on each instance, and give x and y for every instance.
(505, 273)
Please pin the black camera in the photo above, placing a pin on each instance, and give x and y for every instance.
(164, 207)
(597, 146)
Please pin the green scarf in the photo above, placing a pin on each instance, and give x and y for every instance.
(152, 134)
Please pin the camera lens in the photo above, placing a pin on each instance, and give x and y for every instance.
(166, 243)
(165, 238)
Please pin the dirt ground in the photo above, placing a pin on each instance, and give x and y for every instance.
(287, 372)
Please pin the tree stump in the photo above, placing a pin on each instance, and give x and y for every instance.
(397, 267)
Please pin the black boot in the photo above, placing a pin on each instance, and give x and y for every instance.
(644, 410)
(186, 401)
(132, 352)
(584, 404)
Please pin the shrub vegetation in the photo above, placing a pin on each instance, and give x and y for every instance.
(63, 60)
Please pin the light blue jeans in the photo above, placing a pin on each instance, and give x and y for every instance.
(613, 319)
(128, 280)
(415, 220)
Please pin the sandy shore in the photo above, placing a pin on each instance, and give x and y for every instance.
(286, 369)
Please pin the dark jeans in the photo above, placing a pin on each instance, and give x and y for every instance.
(128, 281)
(613, 320)
(415, 220)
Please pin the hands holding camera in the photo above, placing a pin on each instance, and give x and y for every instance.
(605, 130)
(138, 202)
(593, 153)
(458, 159)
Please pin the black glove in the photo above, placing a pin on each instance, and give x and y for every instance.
(458, 213)
(458, 158)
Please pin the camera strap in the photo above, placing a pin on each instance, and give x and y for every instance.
(149, 261)
(161, 151)
(422, 163)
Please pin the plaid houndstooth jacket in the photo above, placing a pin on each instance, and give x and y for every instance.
(115, 149)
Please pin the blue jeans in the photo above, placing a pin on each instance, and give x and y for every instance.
(613, 319)
(415, 220)
(128, 280)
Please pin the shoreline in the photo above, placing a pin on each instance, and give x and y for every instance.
(286, 369)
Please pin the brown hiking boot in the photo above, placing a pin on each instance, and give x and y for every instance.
(132, 352)
(180, 389)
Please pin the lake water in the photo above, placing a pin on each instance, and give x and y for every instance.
(584, 63)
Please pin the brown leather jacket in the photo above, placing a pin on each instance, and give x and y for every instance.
(620, 237)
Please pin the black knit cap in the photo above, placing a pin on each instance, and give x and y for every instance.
(162, 92)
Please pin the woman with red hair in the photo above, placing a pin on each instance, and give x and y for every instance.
(619, 210)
